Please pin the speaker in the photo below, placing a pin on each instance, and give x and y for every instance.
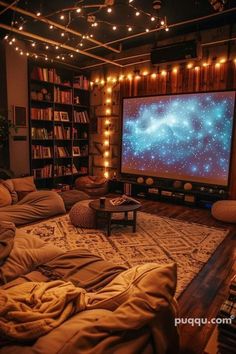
(174, 52)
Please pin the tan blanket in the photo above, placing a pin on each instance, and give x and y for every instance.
(30, 310)
(7, 234)
(139, 316)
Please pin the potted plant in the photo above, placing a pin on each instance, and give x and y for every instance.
(5, 126)
(5, 131)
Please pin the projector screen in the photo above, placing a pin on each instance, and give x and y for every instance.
(184, 137)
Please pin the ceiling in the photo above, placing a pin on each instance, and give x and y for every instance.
(91, 29)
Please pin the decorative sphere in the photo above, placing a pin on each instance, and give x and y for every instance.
(149, 181)
(188, 186)
(140, 180)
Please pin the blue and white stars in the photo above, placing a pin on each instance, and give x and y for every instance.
(180, 136)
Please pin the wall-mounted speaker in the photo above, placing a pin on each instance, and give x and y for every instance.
(174, 52)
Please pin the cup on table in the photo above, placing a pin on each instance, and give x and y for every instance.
(102, 202)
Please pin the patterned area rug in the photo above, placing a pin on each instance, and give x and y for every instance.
(158, 239)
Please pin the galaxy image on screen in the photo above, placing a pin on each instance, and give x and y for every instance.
(186, 137)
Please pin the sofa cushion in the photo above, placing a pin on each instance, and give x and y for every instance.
(9, 185)
(23, 186)
(5, 196)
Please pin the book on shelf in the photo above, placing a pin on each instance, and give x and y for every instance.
(44, 172)
(62, 170)
(40, 152)
(61, 151)
(61, 96)
(41, 133)
(61, 116)
(61, 133)
(124, 200)
(81, 82)
(41, 113)
(81, 117)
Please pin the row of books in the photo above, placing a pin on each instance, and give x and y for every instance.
(43, 74)
(62, 132)
(50, 75)
(81, 117)
(39, 152)
(61, 96)
(61, 151)
(41, 113)
(44, 172)
(81, 82)
(41, 133)
(59, 170)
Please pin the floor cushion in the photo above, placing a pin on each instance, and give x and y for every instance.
(82, 215)
(224, 210)
(5, 196)
(92, 185)
(72, 196)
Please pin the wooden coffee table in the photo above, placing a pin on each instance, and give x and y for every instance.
(107, 211)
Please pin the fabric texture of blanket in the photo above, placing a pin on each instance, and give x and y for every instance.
(7, 234)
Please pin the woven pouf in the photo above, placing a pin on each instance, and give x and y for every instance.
(224, 210)
(82, 215)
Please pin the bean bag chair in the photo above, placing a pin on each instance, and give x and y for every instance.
(92, 185)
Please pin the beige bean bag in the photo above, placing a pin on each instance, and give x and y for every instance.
(224, 210)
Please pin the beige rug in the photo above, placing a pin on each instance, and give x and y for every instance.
(158, 239)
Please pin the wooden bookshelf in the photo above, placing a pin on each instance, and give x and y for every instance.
(59, 125)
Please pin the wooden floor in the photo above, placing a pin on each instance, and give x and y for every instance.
(204, 296)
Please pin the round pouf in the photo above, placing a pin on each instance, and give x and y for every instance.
(82, 215)
(224, 210)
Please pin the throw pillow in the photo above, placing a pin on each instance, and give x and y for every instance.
(5, 196)
(9, 185)
(23, 186)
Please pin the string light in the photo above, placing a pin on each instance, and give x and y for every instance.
(62, 34)
(147, 29)
(78, 10)
(152, 18)
(21, 28)
(137, 13)
(62, 17)
(109, 10)
(51, 27)
(130, 29)
(114, 28)
(38, 14)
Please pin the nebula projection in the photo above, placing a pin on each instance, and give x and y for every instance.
(185, 137)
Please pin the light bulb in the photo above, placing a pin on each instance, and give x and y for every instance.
(109, 10)
(137, 13)
(62, 17)
(147, 30)
(152, 18)
(51, 26)
(21, 28)
(114, 28)
(38, 14)
(62, 34)
(130, 29)
(78, 10)
(106, 153)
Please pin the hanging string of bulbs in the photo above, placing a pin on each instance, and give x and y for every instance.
(68, 15)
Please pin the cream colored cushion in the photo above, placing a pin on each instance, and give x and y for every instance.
(23, 186)
(5, 196)
(224, 210)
